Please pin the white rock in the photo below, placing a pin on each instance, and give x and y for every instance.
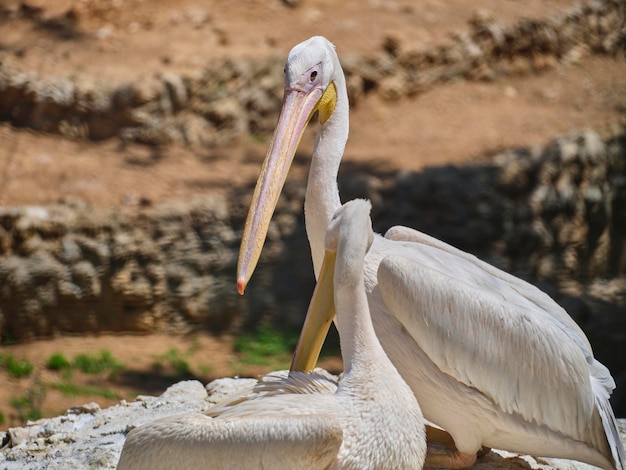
(90, 438)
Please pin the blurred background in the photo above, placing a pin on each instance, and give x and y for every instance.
(132, 132)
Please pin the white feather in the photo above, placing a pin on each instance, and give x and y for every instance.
(369, 420)
(491, 359)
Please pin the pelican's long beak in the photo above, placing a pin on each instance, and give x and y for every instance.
(318, 318)
(298, 108)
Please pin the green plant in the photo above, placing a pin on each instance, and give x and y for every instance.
(58, 362)
(266, 346)
(72, 390)
(176, 360)
(97, 363)
(28, 406)
(17, 368)
(3, 418)
(180, 365)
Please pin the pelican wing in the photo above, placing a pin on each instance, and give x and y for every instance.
(195, 441)
(507, 348)
(278, 392)
(491, 277)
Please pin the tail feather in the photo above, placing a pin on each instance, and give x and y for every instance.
(612, 434)
(603, 384)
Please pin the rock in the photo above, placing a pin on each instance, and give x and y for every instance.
(90, 438)
(176, 90)
(87, 437)
(232, 98)
(552, 215)
(220, 389)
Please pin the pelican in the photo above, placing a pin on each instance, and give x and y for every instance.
(370, 420)
(492, 360)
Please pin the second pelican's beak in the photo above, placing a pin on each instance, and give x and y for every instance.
(298, 108)
(318, 318)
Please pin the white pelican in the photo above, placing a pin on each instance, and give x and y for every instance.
(491, 359)
(370, 420)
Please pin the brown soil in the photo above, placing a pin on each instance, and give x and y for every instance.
(148, 368)
(120, 40)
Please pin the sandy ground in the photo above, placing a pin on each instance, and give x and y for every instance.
(121, 40)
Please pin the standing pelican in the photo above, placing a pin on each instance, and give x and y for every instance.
(370, 420)
(491, 359)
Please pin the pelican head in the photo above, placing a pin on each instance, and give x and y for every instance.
(322, 309)
(310, 73)
(350, 211)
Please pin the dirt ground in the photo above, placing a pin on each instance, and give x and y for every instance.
(149, 363)
(121, 40)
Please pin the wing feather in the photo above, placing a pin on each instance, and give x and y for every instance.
(197, 441)
(281, 392)
(509, 351)
(491, 274)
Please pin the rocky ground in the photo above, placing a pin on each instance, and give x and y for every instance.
(156, 115)
(88, 437)
(492, 74)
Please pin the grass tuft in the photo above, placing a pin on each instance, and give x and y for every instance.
(174, 360)
(58, 362)
(266, 346)
(97, 363)
(73, 390)
(18, 368)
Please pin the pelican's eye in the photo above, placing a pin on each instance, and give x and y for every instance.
(313, 76)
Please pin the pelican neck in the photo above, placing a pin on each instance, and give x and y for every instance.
(322, 194)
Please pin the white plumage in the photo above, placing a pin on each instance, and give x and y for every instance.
(490, 358)
(369, 420)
